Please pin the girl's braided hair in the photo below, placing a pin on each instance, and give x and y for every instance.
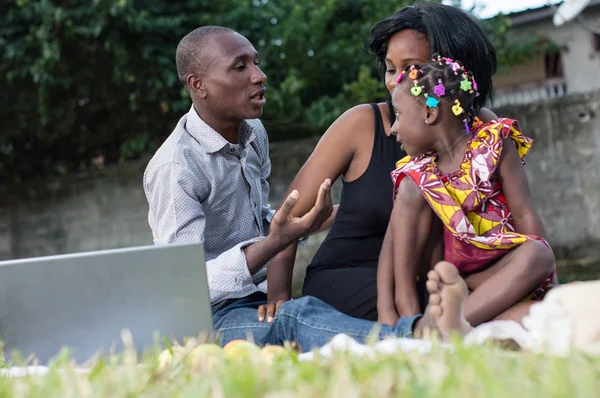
(445, 80)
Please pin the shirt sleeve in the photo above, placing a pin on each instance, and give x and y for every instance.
(177, 216)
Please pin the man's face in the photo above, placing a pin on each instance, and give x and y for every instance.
(233, 81)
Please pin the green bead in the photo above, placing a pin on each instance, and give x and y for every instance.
(465, 85)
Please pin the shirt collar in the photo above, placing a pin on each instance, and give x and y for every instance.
(209, 138)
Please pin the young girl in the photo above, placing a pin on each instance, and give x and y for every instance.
(461, 195)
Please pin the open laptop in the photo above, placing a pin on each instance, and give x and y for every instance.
(85, 300)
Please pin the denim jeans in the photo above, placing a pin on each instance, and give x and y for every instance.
(307, 321)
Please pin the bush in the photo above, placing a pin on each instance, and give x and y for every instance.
(80, 79)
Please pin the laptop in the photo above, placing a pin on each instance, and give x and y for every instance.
(85, 300)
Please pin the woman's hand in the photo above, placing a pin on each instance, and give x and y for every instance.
(268, 311)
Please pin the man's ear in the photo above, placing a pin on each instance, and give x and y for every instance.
(431, 115)
(197, 86)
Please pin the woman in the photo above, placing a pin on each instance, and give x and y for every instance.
(358, 147)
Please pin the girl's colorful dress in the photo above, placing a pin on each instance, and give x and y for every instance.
(478, 225)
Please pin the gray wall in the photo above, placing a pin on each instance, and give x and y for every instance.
(107, 209)
(564, 173)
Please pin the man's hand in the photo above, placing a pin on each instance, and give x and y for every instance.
(286, 228)
(268, 311)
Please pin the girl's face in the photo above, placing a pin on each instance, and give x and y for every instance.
(411, 127)
(404, 48)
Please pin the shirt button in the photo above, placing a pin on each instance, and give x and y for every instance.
(254, 205)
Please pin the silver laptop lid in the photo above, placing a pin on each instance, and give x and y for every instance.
(85, 300)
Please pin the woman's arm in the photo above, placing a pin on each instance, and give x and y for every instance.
(280, 273)
(279, 282)
(332, 156)
(330, 159)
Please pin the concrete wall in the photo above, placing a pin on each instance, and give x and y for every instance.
(107, 209)
(564, 169)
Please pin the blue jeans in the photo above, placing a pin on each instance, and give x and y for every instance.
(307, 321)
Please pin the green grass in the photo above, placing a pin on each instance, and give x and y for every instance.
(465, 372)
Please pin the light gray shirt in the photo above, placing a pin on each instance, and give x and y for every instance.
(202, 188)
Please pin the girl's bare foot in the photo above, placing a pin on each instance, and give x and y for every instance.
(447, 294)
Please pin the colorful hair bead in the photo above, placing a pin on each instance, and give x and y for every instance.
(400, 76)
(414, 73)
(466, 85)
(416, 90)
(457, 109)
(432, 102)
(439, 90)
(465, 81)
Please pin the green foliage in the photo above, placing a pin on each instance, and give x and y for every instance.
(310, 51)
(80, 78)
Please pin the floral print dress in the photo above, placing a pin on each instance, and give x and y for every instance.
(478, 225)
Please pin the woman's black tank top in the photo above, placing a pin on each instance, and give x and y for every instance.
(343, 271)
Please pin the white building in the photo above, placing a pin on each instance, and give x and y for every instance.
(576, 69)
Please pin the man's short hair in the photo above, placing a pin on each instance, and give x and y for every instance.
(193, 51)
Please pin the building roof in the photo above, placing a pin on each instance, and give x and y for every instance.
(535, 14)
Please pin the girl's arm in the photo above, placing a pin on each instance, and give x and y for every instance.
(386, 307)
(512, 176)
(515, 185)
(508, 281)
(411, 226)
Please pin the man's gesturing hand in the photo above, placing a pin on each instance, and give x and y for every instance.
(287, 228)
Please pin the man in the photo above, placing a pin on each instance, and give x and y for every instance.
(208, 183)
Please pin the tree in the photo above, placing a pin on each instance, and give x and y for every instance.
(81, 78)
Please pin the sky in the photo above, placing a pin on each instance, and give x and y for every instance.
(489, 8)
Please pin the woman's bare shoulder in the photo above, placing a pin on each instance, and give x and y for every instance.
(354, 124)
(360, 114)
